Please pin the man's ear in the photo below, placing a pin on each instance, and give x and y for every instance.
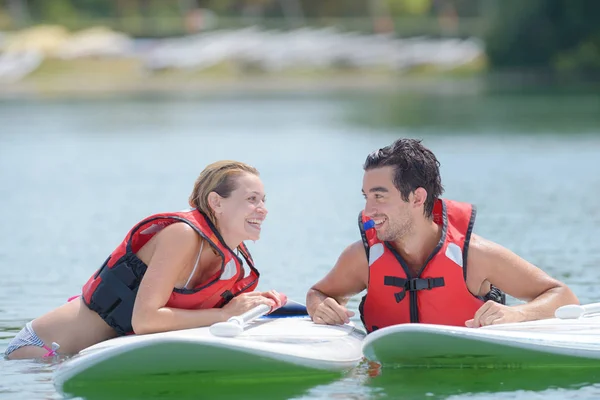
(214, 202)
(419, 197)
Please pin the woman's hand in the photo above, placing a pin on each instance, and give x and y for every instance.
(247, 301)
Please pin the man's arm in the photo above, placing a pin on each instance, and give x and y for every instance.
(490, 263)
(325, 301)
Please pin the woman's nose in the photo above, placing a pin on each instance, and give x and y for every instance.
(263, 208)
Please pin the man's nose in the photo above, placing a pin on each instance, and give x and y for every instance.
(370, 209)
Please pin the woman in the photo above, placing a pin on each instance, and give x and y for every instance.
(172, 271)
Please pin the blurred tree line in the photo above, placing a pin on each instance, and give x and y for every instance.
(552, 35)
(24, 12)
(65, 9)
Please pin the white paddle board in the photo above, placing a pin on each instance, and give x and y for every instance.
(545, 343)
(269, 348)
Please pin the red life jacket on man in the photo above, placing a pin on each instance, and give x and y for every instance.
(438, 294)
(111, 291)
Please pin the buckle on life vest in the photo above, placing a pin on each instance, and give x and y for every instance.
(424, 283)
(411, 285)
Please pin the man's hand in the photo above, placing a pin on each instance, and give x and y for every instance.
(493, 313)
(329, 312)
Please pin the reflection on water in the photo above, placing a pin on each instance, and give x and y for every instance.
(441, 383)
(478, 108)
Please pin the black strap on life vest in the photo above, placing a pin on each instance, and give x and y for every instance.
(411, 285)
(227, 296)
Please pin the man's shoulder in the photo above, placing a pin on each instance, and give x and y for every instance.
(479, 244)
(355, 252)
(483, 251)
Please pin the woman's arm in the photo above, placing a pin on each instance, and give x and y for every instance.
(175, 249)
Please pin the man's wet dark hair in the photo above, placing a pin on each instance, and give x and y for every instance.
(414, 165)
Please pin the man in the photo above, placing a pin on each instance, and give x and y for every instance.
(414, 254)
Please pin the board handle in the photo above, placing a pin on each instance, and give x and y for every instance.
(574, 311)
(235, 325)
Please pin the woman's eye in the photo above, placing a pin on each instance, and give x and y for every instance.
(252, 198)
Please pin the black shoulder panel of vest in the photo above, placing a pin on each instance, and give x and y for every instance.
(114, 297)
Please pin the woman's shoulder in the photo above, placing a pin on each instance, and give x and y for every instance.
(180, 233)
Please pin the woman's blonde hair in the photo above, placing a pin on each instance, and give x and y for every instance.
(218, 177)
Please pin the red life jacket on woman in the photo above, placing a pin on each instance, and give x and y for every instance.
(438, 294)
(111, 291)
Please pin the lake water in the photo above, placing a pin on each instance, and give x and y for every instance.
(75, 175)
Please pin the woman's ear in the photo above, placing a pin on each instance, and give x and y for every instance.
(214, 202)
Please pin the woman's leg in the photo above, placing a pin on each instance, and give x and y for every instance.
(73, 326)
(27, 345)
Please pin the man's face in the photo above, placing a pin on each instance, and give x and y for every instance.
(385, 206)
